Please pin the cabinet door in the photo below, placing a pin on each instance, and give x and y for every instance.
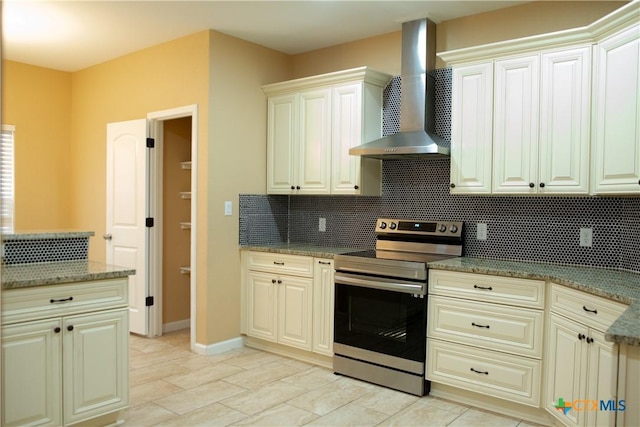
(471, 129)
(314, 145)
(262, 305)
(95, 364)
(566, 361)
(295, 301)
(602, 381)
(281, 141)
(323, 294)
(515, 125)
(346, 133)
(565, 111)
(32, 374)
(616, 113)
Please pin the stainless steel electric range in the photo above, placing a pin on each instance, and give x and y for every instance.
(380, 317)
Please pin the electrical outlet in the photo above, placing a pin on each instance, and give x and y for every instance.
(481, 231)
(227, 208)
(322, 224)
(586, 237)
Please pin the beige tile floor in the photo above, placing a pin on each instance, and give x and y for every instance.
(170, 386)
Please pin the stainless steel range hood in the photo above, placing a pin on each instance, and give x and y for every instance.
(417, 114)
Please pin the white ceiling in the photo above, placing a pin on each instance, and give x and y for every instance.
(72, 35)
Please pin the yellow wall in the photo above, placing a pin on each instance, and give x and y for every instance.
(38, 101)
(383, 52)
(176, 242)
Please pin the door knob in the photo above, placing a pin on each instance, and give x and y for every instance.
(107, 236)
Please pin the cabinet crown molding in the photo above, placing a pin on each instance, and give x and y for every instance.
(365, 74)
(626, 15)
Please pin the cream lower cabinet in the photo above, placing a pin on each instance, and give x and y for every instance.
(288, 300)
(582, 367)
(485, 334)
(323, 301)
(70, 364)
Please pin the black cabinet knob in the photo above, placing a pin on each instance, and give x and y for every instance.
(273, 280)
(297, 187)
(70, 328)
(531, 185)
(542, 185)
(293, 188)
(589, 340)
(452, 185)
(581, 337)
(355, 187)
(57, 330)
(279, 281)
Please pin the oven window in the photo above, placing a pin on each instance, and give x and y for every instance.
(382, 321)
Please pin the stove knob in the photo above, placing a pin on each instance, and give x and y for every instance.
(383, 225)
(443, 228)
(453, 228)
(392, 226)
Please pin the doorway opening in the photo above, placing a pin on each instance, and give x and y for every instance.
(172, 202)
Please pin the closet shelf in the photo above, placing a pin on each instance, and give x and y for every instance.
(185, 270)
(185, 225)
(185, 194)
(185, 165)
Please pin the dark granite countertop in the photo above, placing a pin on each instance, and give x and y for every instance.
(16, 276)
(300, 249)
(617, 285)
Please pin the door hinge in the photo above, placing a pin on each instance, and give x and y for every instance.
(148, 302)
(149, 222)
(151, 143)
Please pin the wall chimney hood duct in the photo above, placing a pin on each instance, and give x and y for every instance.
(416, 138)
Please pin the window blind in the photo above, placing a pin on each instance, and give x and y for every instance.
(7, 184)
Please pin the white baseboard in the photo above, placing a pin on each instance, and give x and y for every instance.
(176, 326)
(219, 347)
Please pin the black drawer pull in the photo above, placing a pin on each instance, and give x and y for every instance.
(278, 263)
(479, 326)
(57, 330)
(70, 328)
(485, 288)
(594, 311)
(480, 372)
(324, 263)
(53, 301)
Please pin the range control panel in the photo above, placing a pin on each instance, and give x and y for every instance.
(419, 227)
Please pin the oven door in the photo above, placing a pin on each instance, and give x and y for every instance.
(381, 315)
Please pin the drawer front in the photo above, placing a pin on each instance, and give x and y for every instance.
(60, 300)
(593, 311)
(482, 287)
(280, 263)
(491, 326)
(509, 377)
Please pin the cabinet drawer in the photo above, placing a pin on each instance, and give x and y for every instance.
(593, 311)
(61, 300)
(280, 263)
(492, 326)
(482, 287)
(495, 374)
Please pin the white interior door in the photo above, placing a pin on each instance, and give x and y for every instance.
(126, 211)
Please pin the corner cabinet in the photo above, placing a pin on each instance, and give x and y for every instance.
(312, 124)
(554, 113)
(616, 113)
(65, 352)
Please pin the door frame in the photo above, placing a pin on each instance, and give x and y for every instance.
(155, 123)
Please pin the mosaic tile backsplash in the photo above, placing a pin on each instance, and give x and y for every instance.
(18, 251)
(544, 229)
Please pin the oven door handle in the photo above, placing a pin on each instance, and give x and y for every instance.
(405, 287)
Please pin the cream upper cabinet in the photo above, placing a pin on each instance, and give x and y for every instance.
(471, 129)
(298, 143)
(616, 113)
(515, 123)
(312, 124)
(565, 111)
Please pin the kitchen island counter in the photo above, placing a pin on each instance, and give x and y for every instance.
(16, 276)
(617, 285)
